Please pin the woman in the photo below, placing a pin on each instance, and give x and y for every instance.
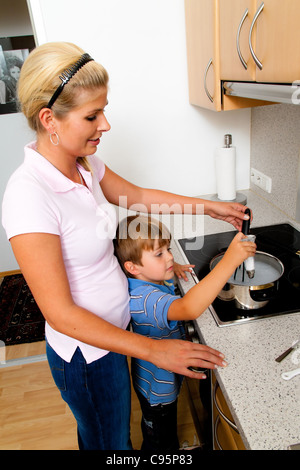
(57, 217)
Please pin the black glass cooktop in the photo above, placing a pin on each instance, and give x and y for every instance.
(282, 241)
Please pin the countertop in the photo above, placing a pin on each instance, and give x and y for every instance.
(266, 408)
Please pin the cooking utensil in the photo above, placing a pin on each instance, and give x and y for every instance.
(253, 293)
(248, 264)
(242, 266)
(289, 375)
(246, 223)
(287, 352)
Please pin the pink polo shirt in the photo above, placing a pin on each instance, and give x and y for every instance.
(39, 198)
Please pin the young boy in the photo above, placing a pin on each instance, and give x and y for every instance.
(143, 248)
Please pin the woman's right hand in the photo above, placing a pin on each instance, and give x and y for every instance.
(179, 355)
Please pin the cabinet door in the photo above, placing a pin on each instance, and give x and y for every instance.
(225, 437)
(202, 35)
(278, 41)
(236, 62)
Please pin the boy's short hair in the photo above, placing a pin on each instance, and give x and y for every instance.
(137, 233)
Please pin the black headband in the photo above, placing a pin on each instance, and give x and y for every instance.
(67, 75)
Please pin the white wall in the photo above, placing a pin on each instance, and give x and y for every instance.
(157, 138)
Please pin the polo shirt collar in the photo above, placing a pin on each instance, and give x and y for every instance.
(49, 173)
(167, 287)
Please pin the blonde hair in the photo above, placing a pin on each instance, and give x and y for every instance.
(137, 233)
(39, 79)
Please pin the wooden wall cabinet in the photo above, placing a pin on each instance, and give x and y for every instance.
(240, 40)
(236, 17)
(278, 41)
(202, 36)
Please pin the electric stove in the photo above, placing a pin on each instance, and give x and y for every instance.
(282, 241)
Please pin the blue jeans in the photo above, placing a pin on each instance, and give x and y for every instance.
(99, 396)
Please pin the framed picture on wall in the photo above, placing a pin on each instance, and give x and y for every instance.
(13, 52)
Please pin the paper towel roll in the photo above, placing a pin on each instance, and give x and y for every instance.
(225, 173)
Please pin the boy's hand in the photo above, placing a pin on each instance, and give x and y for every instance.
(181, 269)
(238, 250)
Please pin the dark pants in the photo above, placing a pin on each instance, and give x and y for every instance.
(159, 426)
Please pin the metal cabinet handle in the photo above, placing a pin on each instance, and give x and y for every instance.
(228, 421)
(256, 60)
(205, 86)
(238, 39)
(217, 422)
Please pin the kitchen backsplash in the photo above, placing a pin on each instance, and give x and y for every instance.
(275, 151)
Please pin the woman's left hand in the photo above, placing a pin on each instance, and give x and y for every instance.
(231, 212)
(181, 269)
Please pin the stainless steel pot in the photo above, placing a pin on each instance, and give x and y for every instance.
(256, 292)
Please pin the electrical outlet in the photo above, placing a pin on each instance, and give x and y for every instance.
(262, 181)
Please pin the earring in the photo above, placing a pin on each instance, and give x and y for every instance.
(51, 138)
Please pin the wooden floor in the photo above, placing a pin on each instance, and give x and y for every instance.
(34, 417)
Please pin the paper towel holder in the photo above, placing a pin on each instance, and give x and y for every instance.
(240, 197)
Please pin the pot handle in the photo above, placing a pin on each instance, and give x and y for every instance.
(265, 292)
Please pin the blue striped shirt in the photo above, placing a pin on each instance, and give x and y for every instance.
(149, 304)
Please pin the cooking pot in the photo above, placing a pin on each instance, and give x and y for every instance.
(256, 292)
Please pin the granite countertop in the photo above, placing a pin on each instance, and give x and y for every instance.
(266, 408)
